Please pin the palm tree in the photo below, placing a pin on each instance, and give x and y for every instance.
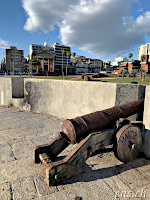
(68, 56)
(130, 55)
(124, 72)
(141, 70)
(32, 63)
(142, 57)
(63, 54)
(73, 55)
(134, 71)
(75, 59)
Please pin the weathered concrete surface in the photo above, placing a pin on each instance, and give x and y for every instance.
(12, 91)
(68, 99)
(17, 87)
(146, 122)
(101, 177)
(5, 91)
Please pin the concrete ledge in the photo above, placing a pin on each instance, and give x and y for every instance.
(66, 99)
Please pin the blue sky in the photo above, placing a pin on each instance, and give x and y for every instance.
(102, 29)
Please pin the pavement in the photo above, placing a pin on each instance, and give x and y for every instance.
(101, 177)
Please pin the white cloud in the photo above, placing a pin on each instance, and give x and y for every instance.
(45, 14)
(4, 44)
(140, 10)
(101, 27)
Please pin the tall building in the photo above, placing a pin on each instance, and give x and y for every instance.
(35, 48)
(14, 60)
(56, 48)
(58, 52)
(143, 50)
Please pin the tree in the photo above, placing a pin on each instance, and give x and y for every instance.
(63, 54)
(124, 72)
(68, 56)
(134, 72)
(106, 67)
(142, 57)
(32, 63)
(141, 70)
(130, 55)
(73, 55)
(75, 59)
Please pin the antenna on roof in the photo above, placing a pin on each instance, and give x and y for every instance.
(46, 44)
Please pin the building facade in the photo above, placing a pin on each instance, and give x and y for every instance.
(35, 48)
(143, 50)
(58, 62)
(46, 60)
(88, 65)
(14, 60)
(56, 48)
(119, 61)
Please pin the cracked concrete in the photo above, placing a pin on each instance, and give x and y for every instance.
(101, 177)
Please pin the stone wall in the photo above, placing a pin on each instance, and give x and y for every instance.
(146, 122)
(66, 99)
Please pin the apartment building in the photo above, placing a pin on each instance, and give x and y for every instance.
(144, 50)
(119, 61)
(95, 65)
(14, 60)
(88, 65)
(56, 48)
(35, 48)
(58, 52)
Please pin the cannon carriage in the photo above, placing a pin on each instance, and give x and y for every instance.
(92, 132)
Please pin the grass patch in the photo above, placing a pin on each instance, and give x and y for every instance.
(51, 77)
(125, 80)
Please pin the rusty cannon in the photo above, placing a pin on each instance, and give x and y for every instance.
(92, 132)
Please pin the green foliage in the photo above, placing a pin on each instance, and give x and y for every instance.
(68, 54)
(125, 71)
(63, 52)
(142, 57)
(73, 54)
(34, 62)
(75, 60)
(130, 55)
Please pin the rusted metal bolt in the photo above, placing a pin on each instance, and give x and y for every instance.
(131, 145)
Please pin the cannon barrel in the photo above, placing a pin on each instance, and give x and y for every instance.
(76, 129)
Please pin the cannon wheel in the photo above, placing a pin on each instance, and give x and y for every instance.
(128, 143)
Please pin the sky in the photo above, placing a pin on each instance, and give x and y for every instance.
(102, 29)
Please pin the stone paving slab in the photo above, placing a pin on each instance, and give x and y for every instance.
(101, 177)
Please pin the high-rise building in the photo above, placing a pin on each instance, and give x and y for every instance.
(14, 60)
(143, 50)
(35, 48)
(58, 52)
(56, 48)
